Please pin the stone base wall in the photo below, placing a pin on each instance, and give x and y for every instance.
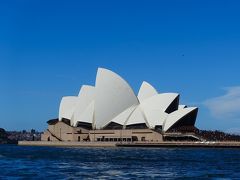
(63, 132)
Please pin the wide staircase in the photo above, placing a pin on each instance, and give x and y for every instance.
(58, 138)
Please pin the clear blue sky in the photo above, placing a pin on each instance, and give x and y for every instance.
(48, 49)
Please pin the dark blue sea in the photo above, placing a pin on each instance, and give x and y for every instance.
(18, 162)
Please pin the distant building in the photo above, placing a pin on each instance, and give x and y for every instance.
(110, 111)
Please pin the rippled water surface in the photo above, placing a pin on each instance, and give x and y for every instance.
(18, 162)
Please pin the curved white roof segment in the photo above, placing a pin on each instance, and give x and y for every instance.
(176, 116)
(159, 101)
(155, 117)
(87, 92)
(87, 115)
(85, 97)
(113, 96)
(146, 91)
(137, 117)
(182, 106)
(67, 107)
(123, 117)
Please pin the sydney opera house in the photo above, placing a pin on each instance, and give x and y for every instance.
(111, 111)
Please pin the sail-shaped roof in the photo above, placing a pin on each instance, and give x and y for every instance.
(113, 101)
(67, 107)
(137, 117)
(146, 91)
(85, 97)
(159, 101)
(124, 116)
(113, 96)
(179, 115)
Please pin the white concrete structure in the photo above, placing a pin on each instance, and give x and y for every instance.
(146, 91)
(113, 104)
(137, 117)
(86, 116)
(124, 116)
(176, 116)
(67, 107)
(113, 96)
(182, 106)
(86, 97)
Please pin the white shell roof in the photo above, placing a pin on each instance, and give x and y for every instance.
(123, 117)
(87, 115)
(159, 101)
(113, 96)
(182, 106)
(67, 107)
(176, 116)
(137, 117)
(87, 92)
(113, 100)
(85, 97)
(155, 117)
(146, 91)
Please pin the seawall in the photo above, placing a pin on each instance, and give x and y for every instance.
(135, 144)
(66, 144)
(184, 144)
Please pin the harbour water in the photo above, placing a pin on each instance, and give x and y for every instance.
(24, 162)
